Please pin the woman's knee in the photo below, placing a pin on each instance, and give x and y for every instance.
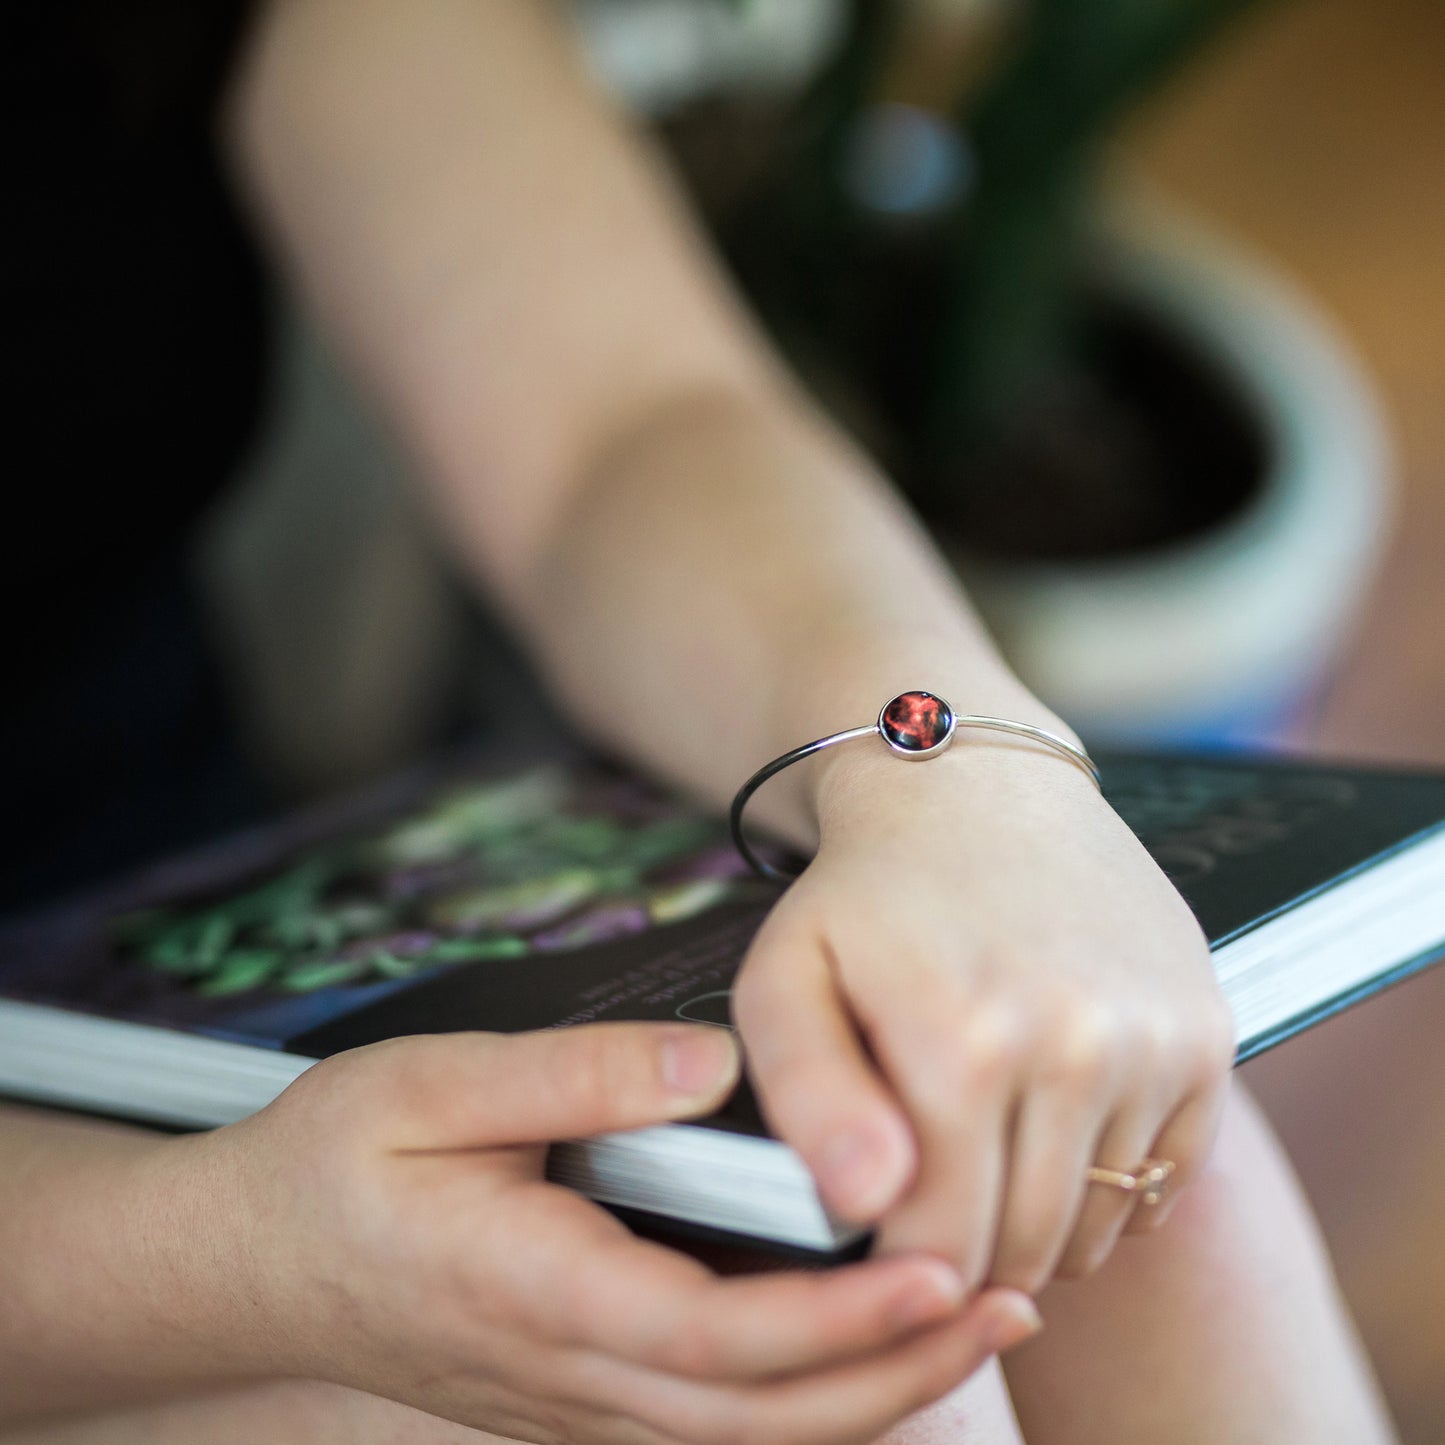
(979, 1412)
(1246, 1209)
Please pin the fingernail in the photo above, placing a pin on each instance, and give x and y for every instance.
(940, 1291)
(855, 1176)
(1017, 1320)
(699, 1062)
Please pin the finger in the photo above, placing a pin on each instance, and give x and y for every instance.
(453, 1091)
(847, 1405)
(1188, 1139)
(1055, 1139)
(603, 1288)
(817, 1086)
(957, 1076)
(1123, 1145)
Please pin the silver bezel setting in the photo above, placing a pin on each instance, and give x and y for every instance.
(917, 754)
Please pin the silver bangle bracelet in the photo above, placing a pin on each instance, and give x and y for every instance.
(915, 725)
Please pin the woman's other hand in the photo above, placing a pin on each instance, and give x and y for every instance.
(405, 1242)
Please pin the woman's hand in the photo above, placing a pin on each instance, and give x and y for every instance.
(404, 1241)
(981, 986)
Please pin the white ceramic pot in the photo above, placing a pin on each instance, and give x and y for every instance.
(1221, 638)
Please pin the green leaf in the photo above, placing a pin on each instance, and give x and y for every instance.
(390, 965)
(214, 937)
(474, 950)
(173, 953)
(686, 900)
(240, 971)
(308, 977)
(513, 906)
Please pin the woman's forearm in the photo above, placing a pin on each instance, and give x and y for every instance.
(734, 579)
(707, 572)
(119, 1275)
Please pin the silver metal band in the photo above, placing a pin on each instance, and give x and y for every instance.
(912, 738)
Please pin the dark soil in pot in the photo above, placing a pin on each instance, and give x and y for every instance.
(1137, 444)
(1132, 440)
(1135, 441)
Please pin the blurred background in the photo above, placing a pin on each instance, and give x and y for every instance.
(1144, 307)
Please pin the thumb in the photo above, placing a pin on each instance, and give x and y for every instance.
(465, 1090)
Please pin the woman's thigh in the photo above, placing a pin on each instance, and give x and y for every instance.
(290, 1412)
(1225, 1324)
(306, 1413)
(979, 1412)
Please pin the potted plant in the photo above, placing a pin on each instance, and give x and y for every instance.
(1155, 465)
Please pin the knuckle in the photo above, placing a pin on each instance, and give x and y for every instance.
(1092, 1044)
(997, 1042)
(342, 1077)
(1155, 1046)
(384, 1084)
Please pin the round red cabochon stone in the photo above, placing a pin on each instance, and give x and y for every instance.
(916, 721)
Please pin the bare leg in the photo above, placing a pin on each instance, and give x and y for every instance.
(1225, 1326)
(304, 1413)
(298, 1412)
(977, 1413)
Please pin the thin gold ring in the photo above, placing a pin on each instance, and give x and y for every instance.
(1149, 1179)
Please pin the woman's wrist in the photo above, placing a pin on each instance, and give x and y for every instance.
(847, 680)
(209, 1193)
(981, 771)
(122, 1254)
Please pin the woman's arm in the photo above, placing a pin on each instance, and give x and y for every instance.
(118, 1265)
(707, 572)
(982, 985)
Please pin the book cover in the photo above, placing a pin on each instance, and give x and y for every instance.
(553, 891)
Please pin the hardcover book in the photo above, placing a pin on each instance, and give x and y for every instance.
(561, 889)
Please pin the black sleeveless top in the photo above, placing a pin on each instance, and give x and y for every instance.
(133, 368)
